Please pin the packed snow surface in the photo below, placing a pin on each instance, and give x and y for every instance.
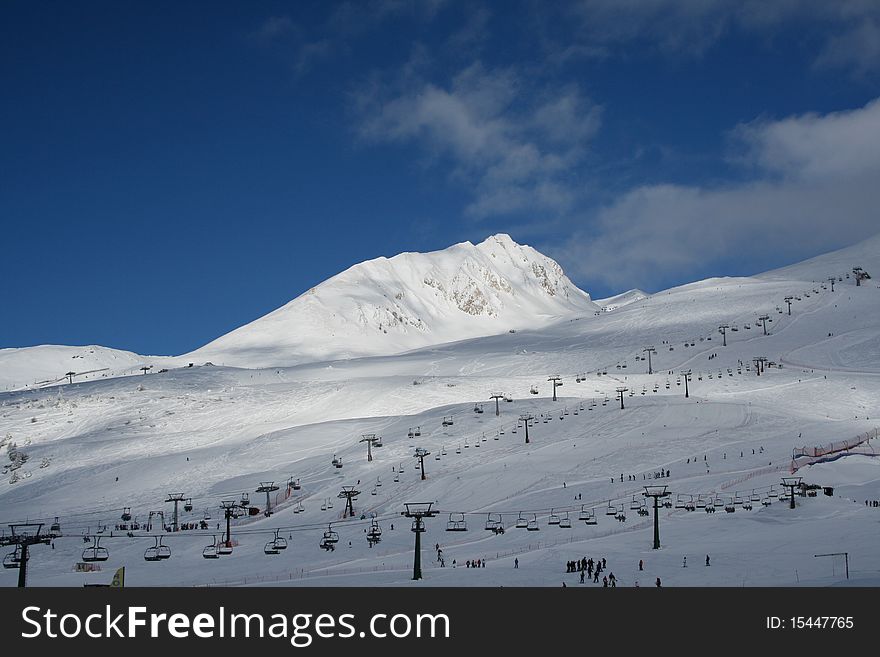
(88, 451)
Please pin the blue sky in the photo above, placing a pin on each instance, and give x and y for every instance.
(170, 171)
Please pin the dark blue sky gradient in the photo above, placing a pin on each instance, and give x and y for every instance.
(167, 174)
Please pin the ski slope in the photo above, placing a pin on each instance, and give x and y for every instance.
(215, 432)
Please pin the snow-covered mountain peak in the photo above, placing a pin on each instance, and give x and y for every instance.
(389, 305)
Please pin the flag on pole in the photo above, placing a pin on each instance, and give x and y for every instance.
(118, 578)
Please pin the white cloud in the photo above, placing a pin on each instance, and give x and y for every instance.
(856, 49)
(274, 27)
(848, 29)
(511, 144)
(815, 188)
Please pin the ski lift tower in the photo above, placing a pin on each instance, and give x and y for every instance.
(859, 274)
(146, 368)
(177, 498)
(70, 376)
(788, 300)
(418, 511)
(763, 319)
(620, 392)
(759, 364)
(831, 280)
(420, 454)
(22, 536)
(370, 439)
(229, 507)
(649, 351)
(526, 418)
(496, 396)
(348, 493)
(791, 483)
(556, 380)
(687, 377)
(267, 487)
(656, 492)
(723, 331)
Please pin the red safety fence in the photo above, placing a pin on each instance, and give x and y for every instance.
(820, 452)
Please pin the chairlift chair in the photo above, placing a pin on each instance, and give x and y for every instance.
(224, 548)
(772, 492)
(158, 552)
(374, 533)
(330, 535)
(188, 505)
(13, 559)
(611, 510)
(95, 552)
(718, 502)
(532, 525)
(418, 431)
(126, 514)
(522, 522)
(553, 519)
(493, 522)
(280, 542)
(754, 497)
(635, 505)
(565, 522)
(591, 517)
(456, 523)
(270, 548)
(210, 551)
(701, 503)
(56, 526)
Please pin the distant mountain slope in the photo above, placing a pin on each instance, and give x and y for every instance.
(621, 300)
(865, 254)
(47, 364)
(390, 305)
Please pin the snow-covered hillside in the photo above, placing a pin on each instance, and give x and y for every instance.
(379, 307)
(46, 365)
(86, 452)
(620, 300)
(389, 305)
